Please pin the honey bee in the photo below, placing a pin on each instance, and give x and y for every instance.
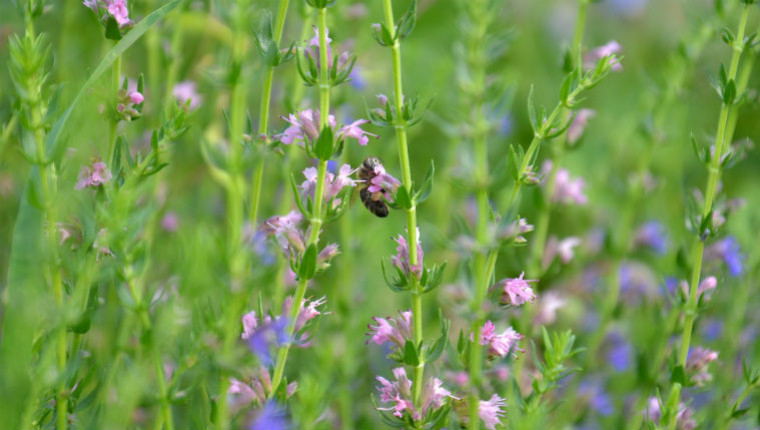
(372, 201)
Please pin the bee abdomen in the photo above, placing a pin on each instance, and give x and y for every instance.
(377, 207)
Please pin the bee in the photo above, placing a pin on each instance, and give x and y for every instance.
(372, 201)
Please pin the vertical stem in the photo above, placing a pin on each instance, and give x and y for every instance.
(235, 255)
(266, 95)
(699, 244)
(316, 220)
(477, 63)
(406, 176)
(115, 84)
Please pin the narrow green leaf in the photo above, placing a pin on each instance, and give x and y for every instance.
(410, 354)
(53, 142)
(308, 266)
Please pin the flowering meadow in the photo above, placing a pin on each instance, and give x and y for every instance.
(386, 214)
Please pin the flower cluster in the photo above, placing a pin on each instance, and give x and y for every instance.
(392, 329)
(728, 250)
(113, 8)
(516, 291)
(339, 69)
(608, 50)
(499, 345)
(334, 184)
(305, 127)
(399, 392)
(577, 127)
(263, 333)
(684, 419)
(697, 362)
(93, 176)
(380, 181)
(491, 411)
(566, 189)
(129, 104)
(186, 93)
(652, 235)
(401, 259)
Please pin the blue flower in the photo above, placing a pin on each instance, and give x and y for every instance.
(270, 417)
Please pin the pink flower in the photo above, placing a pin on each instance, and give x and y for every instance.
(564, 249)
(187, 91)
(353, 131)
(684, 419)
(93, 176)
(170, 222)
(392, 329)
(433, 395)
(548, 306)
(401, 259)
(286, 232)
(136, 97)
(566, 189)
(575, 131)
(118, 10)
(499, 345)
(696, 364)
(491, 411)
(595, 55)
(334, 184)
(517, 291)
(308, 312)
(382, 182)
(303, 125)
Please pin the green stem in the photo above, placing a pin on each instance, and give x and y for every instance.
(406, 176)
(266, 95)
(315, 223)
(115, 86)
(235, 253)
(699, 245)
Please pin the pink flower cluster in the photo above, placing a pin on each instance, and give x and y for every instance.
(491, 411)
(392, 329)
(116, 8)
(305, 125)
(516, 291)
(382, 182)
(399, 392)
(595, 55)
(566, 189)
(401, 259)
(499, 345)
(684, 419)
(697, 362)
(334, 184)
(93, 176)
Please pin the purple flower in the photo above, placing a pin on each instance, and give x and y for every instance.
(607, 50)
(684, 419)
(270, 417)
(401, 259)
(696, 364)
(491, 411)
(499, 345)
(598, 399)
(575, 131)
(392, 329)
(93, 176)
(334, 184)
(285, 230)
(187, 91)
(728, 250)
(620, 353)
(398, 392)
(516, 291)
(170, 222)
(652, 235)
(303, 125)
